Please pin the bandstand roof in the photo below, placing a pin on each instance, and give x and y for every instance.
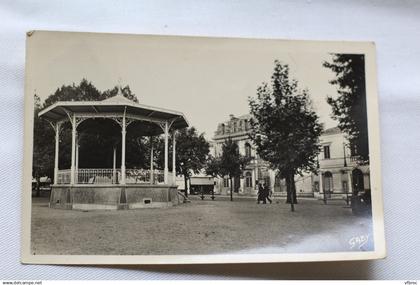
(116, 105)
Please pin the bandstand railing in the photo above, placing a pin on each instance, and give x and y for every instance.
(63, 176)
(110, 176)
(97, 176)
(138, 176)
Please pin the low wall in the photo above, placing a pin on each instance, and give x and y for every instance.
(298, 194)
(112, 197)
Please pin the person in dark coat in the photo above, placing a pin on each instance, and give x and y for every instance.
(261, 194)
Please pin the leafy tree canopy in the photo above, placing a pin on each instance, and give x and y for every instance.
(192, 150)
(349, 108)
(231, 163)
(285, 128)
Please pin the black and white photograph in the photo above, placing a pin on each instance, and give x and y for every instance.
(169, 149)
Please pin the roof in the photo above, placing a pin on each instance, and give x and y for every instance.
(113, 105)
(332, 131)
(245, 116)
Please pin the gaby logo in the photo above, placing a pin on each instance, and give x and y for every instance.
(358, 241)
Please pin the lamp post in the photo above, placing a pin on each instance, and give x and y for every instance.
(321, 184)
(202, 192)
(345, 165)
(212, 191)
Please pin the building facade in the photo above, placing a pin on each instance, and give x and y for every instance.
(340, 172)
(237, 129)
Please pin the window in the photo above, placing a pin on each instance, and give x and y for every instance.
(328, 182)
(345, 188)
(248, 179)
(225, 182)
(353, 150)
(316, 186)
(327, 152)
(247, 150)
(223, 129)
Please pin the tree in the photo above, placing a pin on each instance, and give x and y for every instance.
(213, 166)
(43, 153)
(285, 129)
(349, 108)
(125, 91)
(231, 163)
(192, 150)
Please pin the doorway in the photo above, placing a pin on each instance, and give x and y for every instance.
(328, 183)
(358, 181)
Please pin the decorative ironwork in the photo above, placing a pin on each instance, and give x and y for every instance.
(56, 125)
(97, 176)
(142, 176)
(120, 120)
(128, 121)
(68, 113)
(79, 120)
(162, 124)
(107, 176)
(63, 176)
(118, 117)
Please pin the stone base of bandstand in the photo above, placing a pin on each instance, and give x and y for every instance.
(113, 197)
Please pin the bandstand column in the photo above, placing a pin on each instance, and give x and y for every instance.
(73, 150)
(166, 153)
(57, 146)
(123, 132)
(77, 153)
(114, 165)
(151, 160)
(173, 159)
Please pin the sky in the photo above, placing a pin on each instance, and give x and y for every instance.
(205, 78)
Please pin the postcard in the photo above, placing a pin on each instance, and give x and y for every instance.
(147, 149)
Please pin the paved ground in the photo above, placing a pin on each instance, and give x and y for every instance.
(201, 227)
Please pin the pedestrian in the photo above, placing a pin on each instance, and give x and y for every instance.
(261, 194)
(268, 193)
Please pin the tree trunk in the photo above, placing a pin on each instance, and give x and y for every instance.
(291, 191)
(186, 185)
(288, 192)
(294, 195)
(231, 189)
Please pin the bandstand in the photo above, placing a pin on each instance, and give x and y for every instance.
(113, 188)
